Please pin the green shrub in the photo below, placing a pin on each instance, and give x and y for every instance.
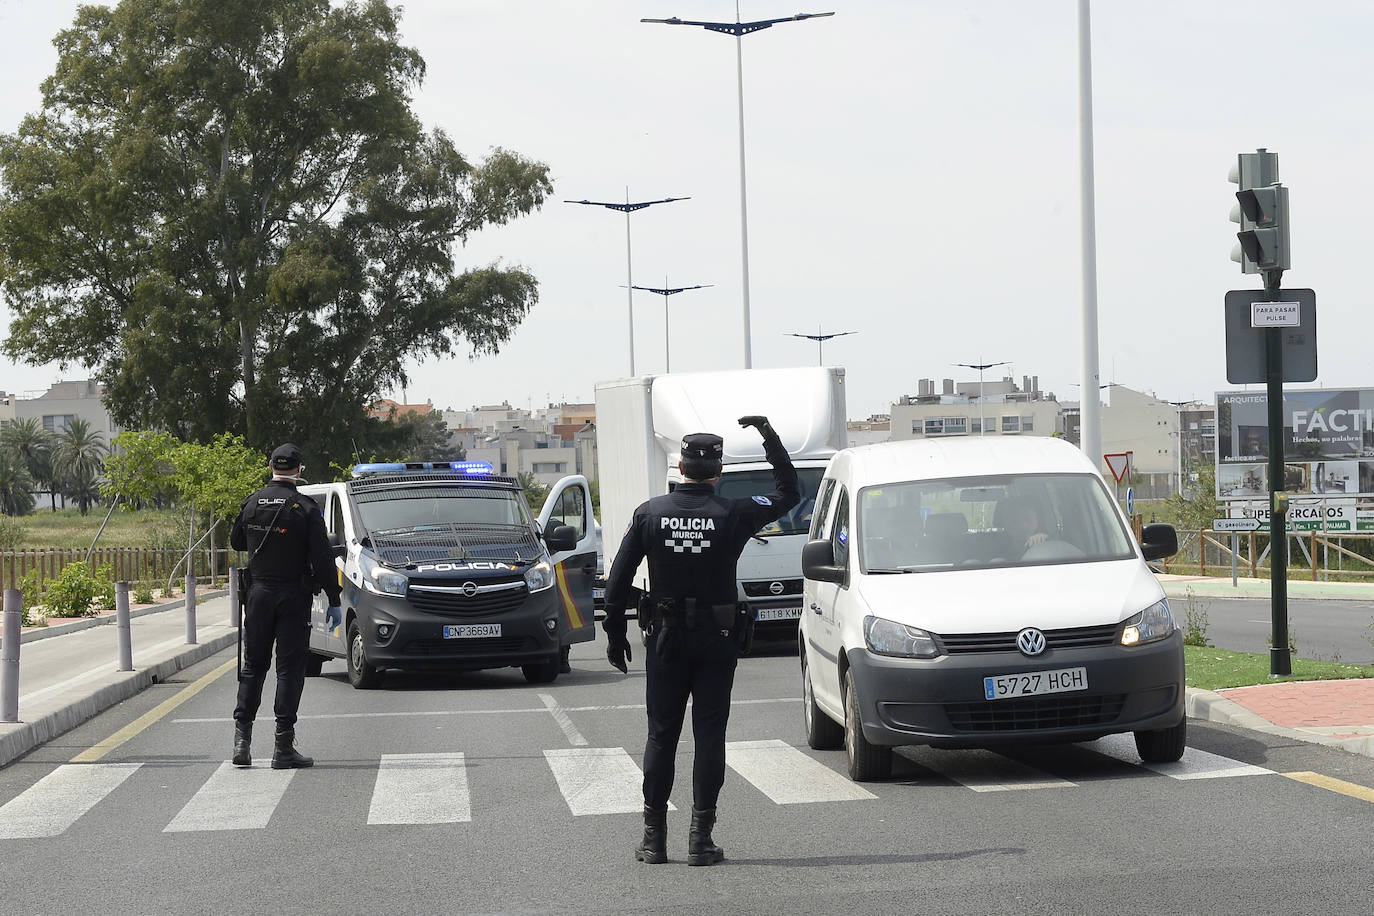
(12, 532)
(105, 587)
(143, 593)
(31, 585)
(71, 594)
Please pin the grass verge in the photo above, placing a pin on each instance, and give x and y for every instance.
(1216, 669)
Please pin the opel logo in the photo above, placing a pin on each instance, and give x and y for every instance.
(470, 590)
(776, 588)
(1030, 641)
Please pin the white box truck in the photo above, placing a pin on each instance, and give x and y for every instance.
(640, 423)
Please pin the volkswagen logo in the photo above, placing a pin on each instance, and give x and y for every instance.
(776, 588)
(1030, 641)
(470, 591)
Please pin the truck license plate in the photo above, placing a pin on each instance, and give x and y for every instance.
(472, 631)
(778, 613)
(1034, 683)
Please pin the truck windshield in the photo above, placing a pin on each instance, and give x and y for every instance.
(744, 484)
(425, 506)
(981, 522)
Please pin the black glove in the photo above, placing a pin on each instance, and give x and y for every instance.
(760, 423)
(618, 653)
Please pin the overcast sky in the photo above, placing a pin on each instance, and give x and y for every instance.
(913, 176)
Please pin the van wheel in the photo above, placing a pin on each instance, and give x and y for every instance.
(360, 674)
(867, 762)
(1163, 745)
(542, 672)
(314, 664)
(822, 732)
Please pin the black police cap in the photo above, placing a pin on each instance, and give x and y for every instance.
(286, 458)
(706, 446)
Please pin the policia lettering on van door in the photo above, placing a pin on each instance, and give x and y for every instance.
(282, 530)
(692, 539)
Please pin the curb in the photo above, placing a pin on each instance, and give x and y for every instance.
(85, 623)
(1213, 707)
(129, 683)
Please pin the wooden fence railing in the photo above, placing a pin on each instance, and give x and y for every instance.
(1311, 554)
(131, 564)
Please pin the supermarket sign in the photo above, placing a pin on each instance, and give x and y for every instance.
(1311, 515)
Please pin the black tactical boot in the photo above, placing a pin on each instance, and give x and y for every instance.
(285, 756)
(700, 849)
(653, 849)
(243, 738)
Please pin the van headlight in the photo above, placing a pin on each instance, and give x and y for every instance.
(380, 580)
(539, 576)
(1150, 625)
(887, 637)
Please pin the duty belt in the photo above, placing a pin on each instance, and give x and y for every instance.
(690, 613)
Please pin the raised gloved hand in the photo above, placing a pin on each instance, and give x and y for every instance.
(760, 423)
(333, 617)
(618, 653)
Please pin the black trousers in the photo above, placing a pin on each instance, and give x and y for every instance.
(701, 665)
(277, 612)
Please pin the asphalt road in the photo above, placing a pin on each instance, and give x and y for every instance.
(540, 812)
(1325, 628)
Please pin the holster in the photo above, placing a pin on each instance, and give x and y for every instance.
(744, 627)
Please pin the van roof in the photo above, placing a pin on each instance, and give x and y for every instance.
(958, 456)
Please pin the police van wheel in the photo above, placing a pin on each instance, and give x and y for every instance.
(1163, 745)
(822, 732)
(314, 664)
(541, 673)
(867, 762)
(360, 674)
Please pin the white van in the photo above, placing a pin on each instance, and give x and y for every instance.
(969, 592)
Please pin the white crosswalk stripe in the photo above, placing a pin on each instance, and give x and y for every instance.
(1195, 764)
(53, 804)
(598, 780)
(234, 798)
(421, 789)
(983, 771)
(788, 776)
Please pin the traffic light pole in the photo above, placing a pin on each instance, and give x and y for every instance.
(1280, 658)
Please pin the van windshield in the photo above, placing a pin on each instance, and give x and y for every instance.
(744, 484)
(982, 522)
(425, 506)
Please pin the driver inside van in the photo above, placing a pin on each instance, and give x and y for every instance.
(1022, 524)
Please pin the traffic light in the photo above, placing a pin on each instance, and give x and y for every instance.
(1261, 213)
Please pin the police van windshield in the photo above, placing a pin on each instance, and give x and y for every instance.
(421, 507)
(744, 484)
(981, 522)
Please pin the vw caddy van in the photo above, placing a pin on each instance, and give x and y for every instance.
(972, 592)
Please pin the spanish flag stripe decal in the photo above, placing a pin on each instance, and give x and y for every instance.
(575, 620)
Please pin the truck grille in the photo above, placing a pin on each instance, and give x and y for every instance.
(1034, 714)
(461, 647)
(456, 604)
(763, 588)
(1067, 638)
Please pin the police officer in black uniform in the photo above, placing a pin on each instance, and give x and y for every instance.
(693, 539)
(282, 530)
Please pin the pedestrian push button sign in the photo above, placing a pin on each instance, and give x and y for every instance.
(1275, 315)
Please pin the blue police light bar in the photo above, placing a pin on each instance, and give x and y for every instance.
(400, 467)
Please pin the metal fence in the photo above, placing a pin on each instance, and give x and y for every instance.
(130, 564)
(1317, 555)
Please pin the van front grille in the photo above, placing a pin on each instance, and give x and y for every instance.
(1035, 713)
(1066, 638)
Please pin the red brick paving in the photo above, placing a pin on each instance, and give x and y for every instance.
(1310, 704)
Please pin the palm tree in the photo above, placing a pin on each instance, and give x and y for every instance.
(16, 486)
(80, 459)
(32, 445)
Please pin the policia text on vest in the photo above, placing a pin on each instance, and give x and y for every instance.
(692, 540)
(289, 559)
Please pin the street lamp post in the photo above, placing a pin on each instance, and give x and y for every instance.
(982, 420)
(820, 340)
(665, 291)
(739, 30)
(627, 208)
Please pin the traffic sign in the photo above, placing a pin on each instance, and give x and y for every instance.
(1246, 358)
(1235, 524)
(1275, 314)
(1118, 463)
(1130, 500)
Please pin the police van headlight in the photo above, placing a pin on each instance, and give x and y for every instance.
(539, 576)
(1150, 625)
(887, 637)
(381, 581)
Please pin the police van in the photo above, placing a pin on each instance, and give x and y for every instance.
(445, 568)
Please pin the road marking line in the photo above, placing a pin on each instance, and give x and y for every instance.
(234, 798)
(574, 736)
(787, 775)
(421, 789)
(1354, 790)
(96, 752)
(988, 771)
(598, 780)
(1195, 764)
(53, 804)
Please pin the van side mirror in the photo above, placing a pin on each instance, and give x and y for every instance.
(336, 544)
(562, 537)
(1158, 541)
(818, 562)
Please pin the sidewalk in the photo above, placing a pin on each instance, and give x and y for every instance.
(68, 672)
(1221, 587)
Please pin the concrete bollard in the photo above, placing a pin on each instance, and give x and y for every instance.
(234, 587)
(126, 644)
(190, 609)
(13, 619)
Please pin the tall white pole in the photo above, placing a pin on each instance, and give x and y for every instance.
(1090, 430)
(629, 281)
(667, 346)
(743, 198)
(982, 417)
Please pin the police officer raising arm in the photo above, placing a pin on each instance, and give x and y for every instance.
(289, 558)
(692, 539)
